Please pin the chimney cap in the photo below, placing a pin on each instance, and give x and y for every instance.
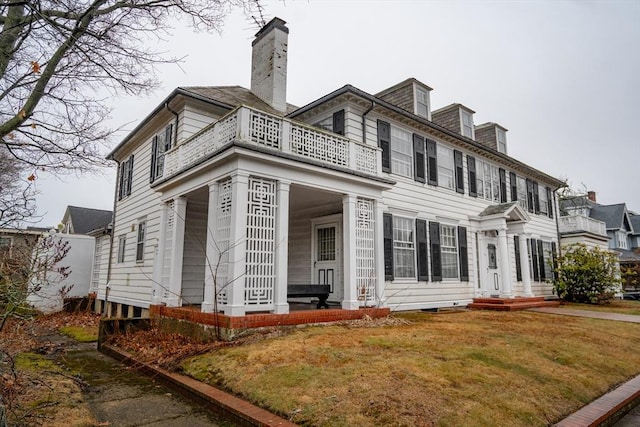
(274, 23)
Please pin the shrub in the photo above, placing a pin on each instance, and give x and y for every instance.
(588, 275)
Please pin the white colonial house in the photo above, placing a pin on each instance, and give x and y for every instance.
(226, 196)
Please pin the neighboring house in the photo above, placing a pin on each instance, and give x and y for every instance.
(15, 249)
(226, 195)
(95, 223)
(611, 227)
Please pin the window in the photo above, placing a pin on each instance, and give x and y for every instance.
(161, 144)
(522, 192)
(422, 102)
(488, 181)
(401, 152)
(449, 251)
(403, 248)
(126, 178)
(547, 256)
(122, 244)
(467, 124)
(622, 240)
(334, 123)
(445, 167)
(5, 246)
(325, 124)
(142, 229)
(542, 195)
(502, 140)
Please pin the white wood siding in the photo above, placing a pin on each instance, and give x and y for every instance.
(194, 256)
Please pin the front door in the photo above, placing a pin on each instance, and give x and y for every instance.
(326, 258)
(492, 273)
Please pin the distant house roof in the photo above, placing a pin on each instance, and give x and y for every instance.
(611, 215)
(628, 256)
(84, 220)
(635, 223)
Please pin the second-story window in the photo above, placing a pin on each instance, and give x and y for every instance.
(401, 152)
(542, 195)
(522, 192)
(488, 181)
(161, 144)
(126, 178)
(445, 167)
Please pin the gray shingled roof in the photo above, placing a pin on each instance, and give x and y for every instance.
(627, 256)
(85, 220)
(497, 209)
(235, 96)
(612, 215)
(635, 223)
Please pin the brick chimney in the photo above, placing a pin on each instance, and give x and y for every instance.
(269, 64)
(591, 195)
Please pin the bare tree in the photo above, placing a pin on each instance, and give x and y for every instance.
(17, 193)
(60, 58)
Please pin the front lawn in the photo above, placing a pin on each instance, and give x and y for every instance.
(469, 368)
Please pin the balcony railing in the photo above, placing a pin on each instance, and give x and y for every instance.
(278, 134)
(574, 223)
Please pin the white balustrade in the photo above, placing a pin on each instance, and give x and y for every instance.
(574, 223)
(275, 133)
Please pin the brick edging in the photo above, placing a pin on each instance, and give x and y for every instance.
(607, 409)
(224, 404)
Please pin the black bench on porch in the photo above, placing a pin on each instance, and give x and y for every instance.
(319, 291)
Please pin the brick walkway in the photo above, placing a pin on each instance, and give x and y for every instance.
(614, 405)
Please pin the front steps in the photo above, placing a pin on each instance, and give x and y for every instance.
(511, 304)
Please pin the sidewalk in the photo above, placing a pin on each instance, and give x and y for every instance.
(612, 407)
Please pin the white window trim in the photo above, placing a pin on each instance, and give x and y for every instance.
(414, 249)
(122, 249)
(393, 150)
(464, 113)
(457, 247)
(417, 88)
(501, 143)
(441, 165)
(143, 222)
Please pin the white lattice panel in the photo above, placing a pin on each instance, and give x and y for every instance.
(167, 257)
(365, 250)
(319, 146)
(261, 232)
(223, 234)
(265, 129)
(365, 159)
(227, 129)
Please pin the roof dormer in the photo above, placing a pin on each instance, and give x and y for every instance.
(456, 118)
(492, 135)
(411, 95)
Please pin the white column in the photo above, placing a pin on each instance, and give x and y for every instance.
(156, 286)
(175, 283)
(505, 264)
(378, 209)
(524, 266)
(484, 266)
(282, 249)
(212, 255)
(350, 301)
(237, 245)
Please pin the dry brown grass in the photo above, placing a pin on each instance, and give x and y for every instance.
(469, 368)
(615, 306)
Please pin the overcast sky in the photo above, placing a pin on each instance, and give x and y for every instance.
(563, 77)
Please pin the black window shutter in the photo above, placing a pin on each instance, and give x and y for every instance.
(462, 254)
(384, 142)
(121, 181)
(541, 260)
(554, 254)
(534, 260)
(432, 163)
(516, 245)
(130, 176)
(549, 202)
(436, 260)
(503, 185)
(530, 195)
(513, 183)
(471, 169)
(423, 250)
(168, 137)
(418, 158)
(536, 198)
(154, 154)
(387, 220)
(338, 122)
(457, 161)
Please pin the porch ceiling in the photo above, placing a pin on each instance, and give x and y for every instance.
(302, 198)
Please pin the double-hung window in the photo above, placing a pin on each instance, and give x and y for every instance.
(126, 178)
(449, 251)
(122, 245)
(142, 230)
(401, 152)
(160, 145)
(542, 195)
(467, 124)
(446, 171)
(522, 191)
(502, 140)
(404, 248)
(422, 102)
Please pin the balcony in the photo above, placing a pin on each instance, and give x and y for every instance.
(581, 223)
(278, 134)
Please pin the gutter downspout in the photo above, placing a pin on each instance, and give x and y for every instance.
(113, 222)
(364, 121)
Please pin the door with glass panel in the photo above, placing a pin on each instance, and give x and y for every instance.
(326, 258)
(492, 274)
